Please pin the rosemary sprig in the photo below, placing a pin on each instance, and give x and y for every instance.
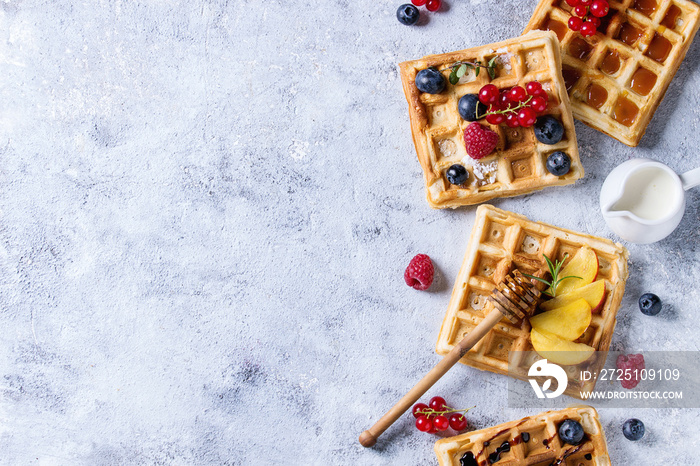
(460, 68)
(554, 269)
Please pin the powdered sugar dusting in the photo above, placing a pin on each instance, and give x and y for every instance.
(484, 173)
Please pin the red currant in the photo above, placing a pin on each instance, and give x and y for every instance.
(503, 100)
(580, 10)
(588, 29)
(419, 409)
(575, 23)
(512, 120)
(542, 93)
(424, 424)
(418, 2)
(517, 94)
(538, 104)
(433, 5)
(585, 2)
(441, 422)
(438, 403)
(496, 118)
(594, 21)
(488, 94)
(527, 117)
(532, 87)
(458, 421)
(573, 2)
(599, 8)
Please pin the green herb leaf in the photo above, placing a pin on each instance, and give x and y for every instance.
(462, 70)
(476, 73)
(454, 79)
(492, 61)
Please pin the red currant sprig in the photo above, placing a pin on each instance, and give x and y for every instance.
(586, 15)
(430, 5)
(437, 416)
(516, 106)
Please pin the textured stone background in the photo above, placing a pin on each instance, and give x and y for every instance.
(206, 209)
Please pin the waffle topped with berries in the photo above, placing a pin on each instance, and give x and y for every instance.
(501, 241)
(534, 440)
(518, 162)
(617, 76)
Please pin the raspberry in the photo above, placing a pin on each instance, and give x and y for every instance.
(479, 140)
(419, 273)
(628, 364)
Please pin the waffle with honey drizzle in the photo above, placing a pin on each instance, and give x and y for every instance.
(499, 242)
(617, 77)
(533, 440)
(517, 166)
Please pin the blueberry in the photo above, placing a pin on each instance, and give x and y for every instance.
(407, 14)
(470, 107)
(548, 130)
(649, 304)
(571, 432)
(457, 174)
(430, 80)
(558, 163)
(633, 429)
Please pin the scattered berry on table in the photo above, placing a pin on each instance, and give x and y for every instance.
(433, 5)
(548, 130)
(631, 366)
(438, 403)
(558, 163)
(458, 422)
(457, 174)
(633, 429)
(470, 107)
(649, 304)
(441, 422)
(407, 14)
(437, 416)
(418, 2)
(479, 140)
(418, 409)
(571, 432)
(424, 424)
(419, 273)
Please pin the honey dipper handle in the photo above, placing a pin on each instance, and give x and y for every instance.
(369, 437)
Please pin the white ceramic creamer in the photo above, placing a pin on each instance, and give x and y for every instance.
(643, 200)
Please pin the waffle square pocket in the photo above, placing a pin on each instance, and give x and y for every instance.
(501, 241)
(617, 77)
(518, 163)
(533, 440)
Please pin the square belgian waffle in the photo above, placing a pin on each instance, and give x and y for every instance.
(501, 241)
(617, 77)
(517, 166)
(532, 441)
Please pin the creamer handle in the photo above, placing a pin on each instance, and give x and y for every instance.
(691, 178)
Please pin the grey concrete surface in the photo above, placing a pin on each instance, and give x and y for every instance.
(206, 209)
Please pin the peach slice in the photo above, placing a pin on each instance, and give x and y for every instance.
(558, 350)
(568, 322)
(594, 294)
(584, 264)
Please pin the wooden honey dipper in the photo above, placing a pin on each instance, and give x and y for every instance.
(516, 297)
